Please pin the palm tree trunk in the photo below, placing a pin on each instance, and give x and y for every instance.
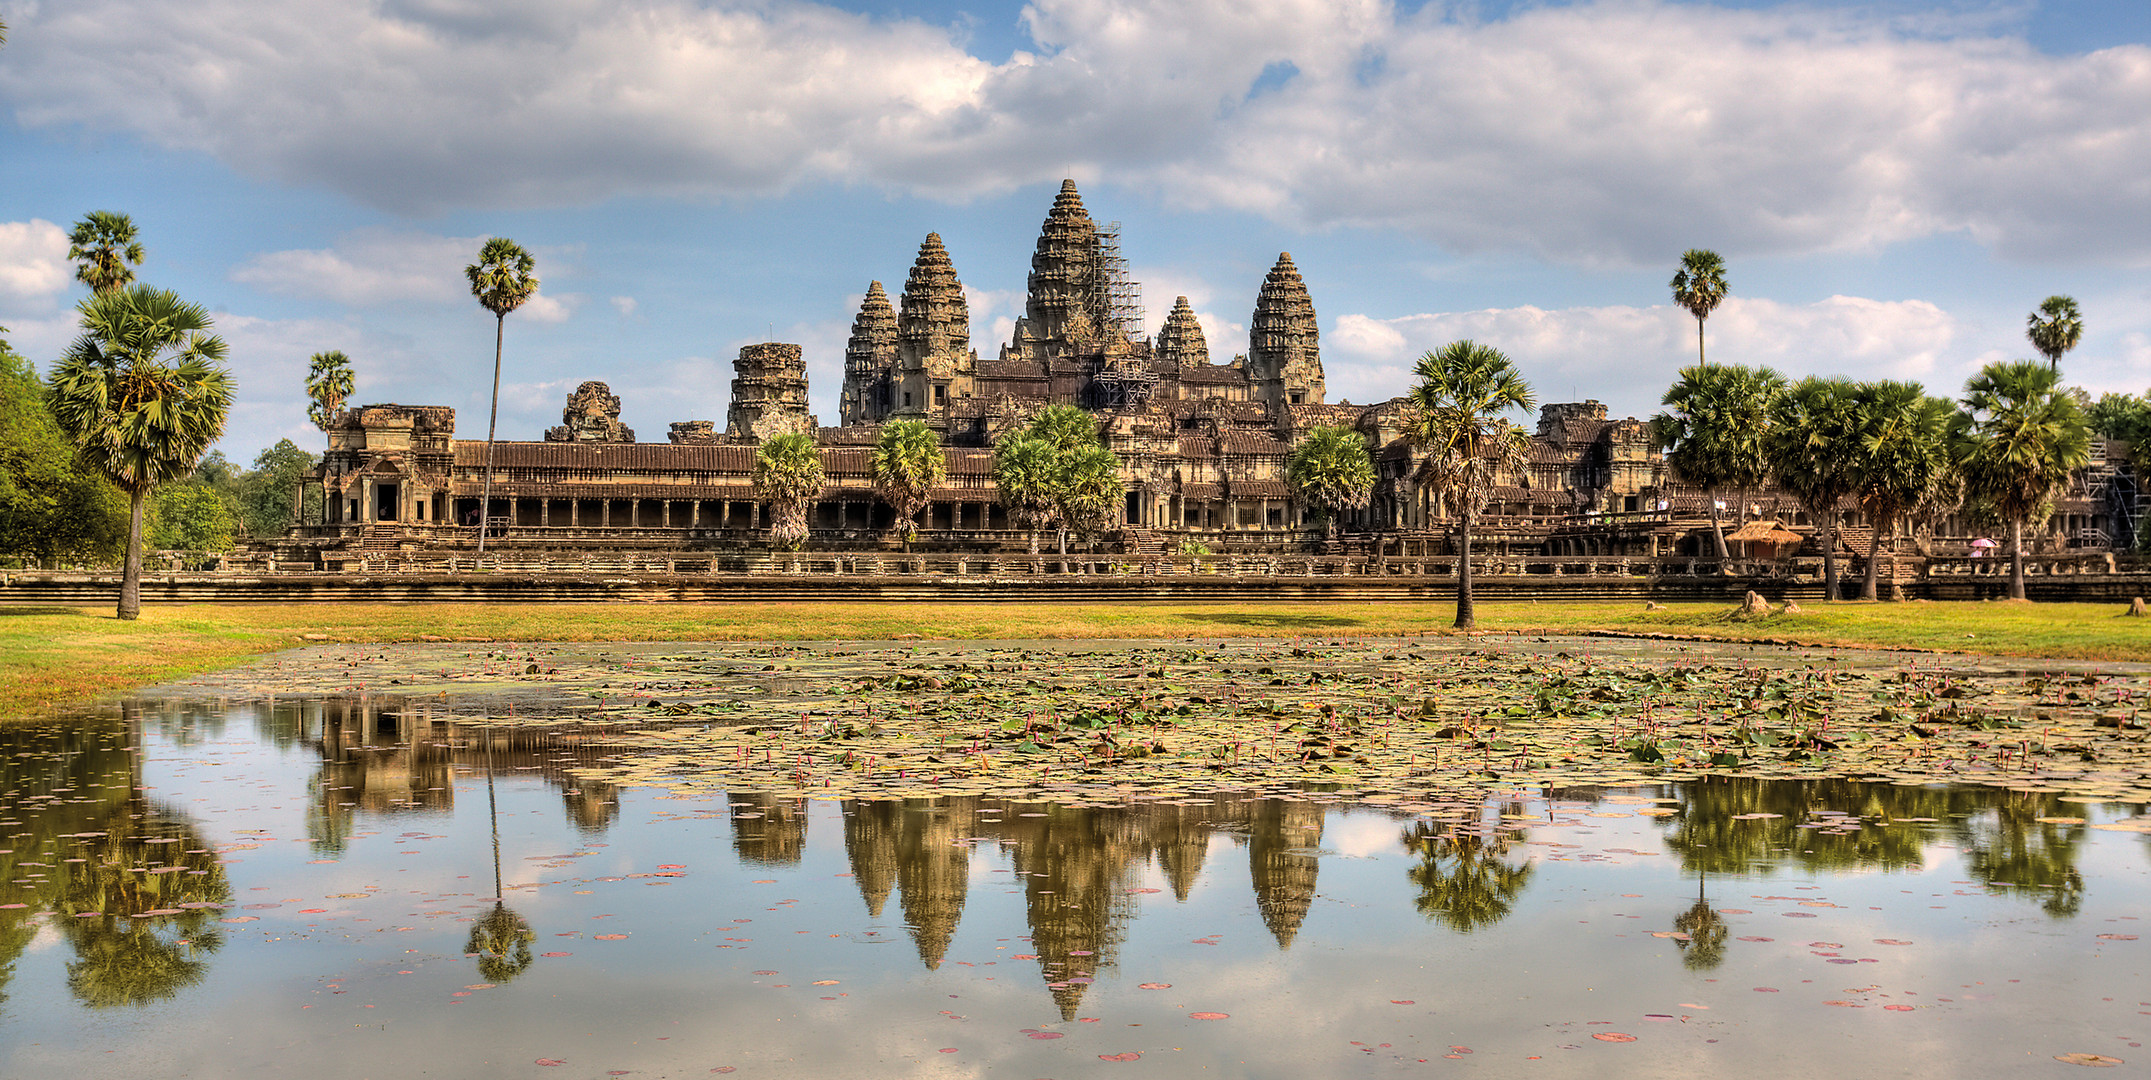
(1700, 361)
(1717, 531)
(2016, 558)
(1872, 589)
(130, 598)
(1466, 617)
(1829, 554)
(485, 496)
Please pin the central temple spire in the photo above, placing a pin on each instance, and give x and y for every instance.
(1061, 271)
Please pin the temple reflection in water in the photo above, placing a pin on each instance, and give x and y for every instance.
(77, 794)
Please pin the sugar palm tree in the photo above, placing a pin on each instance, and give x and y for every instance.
(2054, 328)
(1699, 286)
(502, 279)
(1812, 445)
(1455, 418)
(908, 464)
(1903, 460)
(2019, 436)
(788, 476)
(1023, 469)
(106, 250)
(1070, 479)
(1331, 471)
(1088, 493)
(141, 393)
(328, 384)
(1713, 433)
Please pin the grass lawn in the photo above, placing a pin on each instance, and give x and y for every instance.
(56, 655)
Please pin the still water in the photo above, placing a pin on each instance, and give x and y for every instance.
(340, 887)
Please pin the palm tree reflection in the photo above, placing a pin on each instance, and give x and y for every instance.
(500, 939)
(1466, 880)
(1703, 933)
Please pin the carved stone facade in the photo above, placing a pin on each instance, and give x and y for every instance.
(769, 394)
(935, 363)
(694, 433)
(869, 360)
(1284, 351)
(1203, 445)
(592, 416)
(1180, 342)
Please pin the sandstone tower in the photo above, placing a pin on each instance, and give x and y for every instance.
(1058, 311)
(869, 361)
(1180, 342)
(592, 416)
(1284, 354)
(769, 394)
(934, 361)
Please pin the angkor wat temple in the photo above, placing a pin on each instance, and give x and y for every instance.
(1202, 443)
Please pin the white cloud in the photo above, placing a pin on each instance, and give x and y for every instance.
(625, 305)
(1627, 356)
(1612, 132)
(550, 308)
(268, 359)
(34, 269)
(368, 266)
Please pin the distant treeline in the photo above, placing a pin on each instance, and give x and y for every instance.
(52, 508)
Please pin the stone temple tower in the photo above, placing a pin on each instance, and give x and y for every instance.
(934, 361)
(1059, 310)
(869, 361)
(769, 394)
(1284, 354)
(1180, 341)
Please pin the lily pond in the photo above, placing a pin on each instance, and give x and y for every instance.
(1313, 858)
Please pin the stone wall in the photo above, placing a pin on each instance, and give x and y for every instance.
(769, 394)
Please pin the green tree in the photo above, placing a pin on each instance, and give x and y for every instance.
(788, 476)
(908, 464)
(266, 490)
(1023, 469)
(2054, 328)
(1455, 418)
(1904, 461)
(2020, 435)
(141, 393)
(105, 249)
(1812, 445)
(50, 505)
(1714, 429)
(502, 279)
(1332, 472)
(329, 382)
(1089, 495)
(1699, 286)
(1058, 472)
(190, 515)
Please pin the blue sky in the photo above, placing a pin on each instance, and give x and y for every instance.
(1894, 185)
